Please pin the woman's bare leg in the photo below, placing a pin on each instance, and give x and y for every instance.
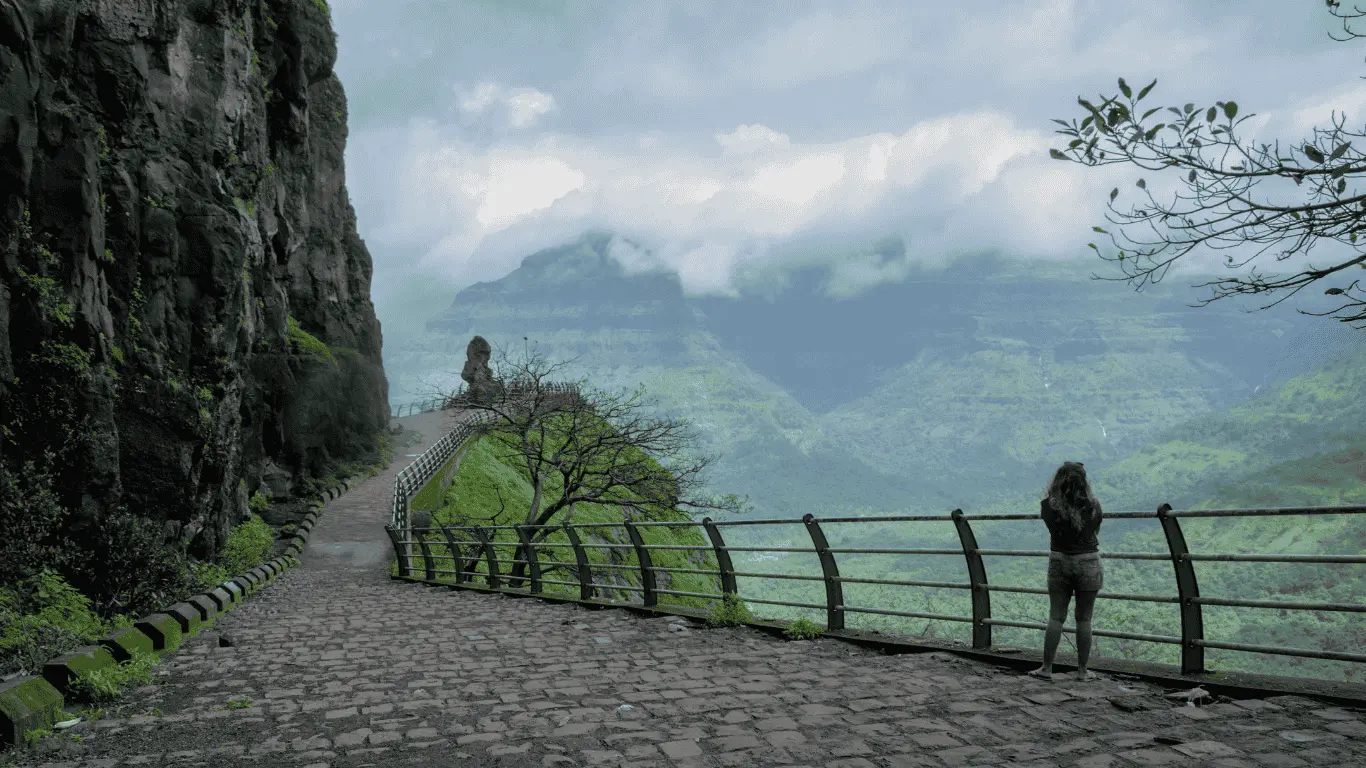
(1086, 602)
(1057, 614)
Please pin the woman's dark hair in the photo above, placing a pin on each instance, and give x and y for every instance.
(1070, 495)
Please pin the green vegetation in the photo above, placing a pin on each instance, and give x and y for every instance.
(730, 612)
(308, 344)
(238, 704)
(43, 616)
(106, 685)
(491, 489)
(249, 544)
(802, 629)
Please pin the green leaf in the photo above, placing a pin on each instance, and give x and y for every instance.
(1124, 88)
(1230, 109)
(1141, 184)
(1312, 152)
(1086, 122)
(1063, 123)
(1074, 143)
(1341, 150)
(1092, 246)
(1333, 292)
(1191, 177)
(1189, 108)
(1056, 155)
(1114, 193)
(1209, 114)
(1098, 229)
(1152, 132)
(1342, 184)
(1146, 88)
(1149, 113)
(1174, 111)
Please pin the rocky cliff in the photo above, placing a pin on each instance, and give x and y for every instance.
(184, 301)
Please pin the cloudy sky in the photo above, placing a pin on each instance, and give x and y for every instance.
(721, 133)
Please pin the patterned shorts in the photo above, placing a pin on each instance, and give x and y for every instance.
(1074, 573)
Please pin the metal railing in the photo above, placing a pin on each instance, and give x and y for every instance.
(470, 547)
(419, 406)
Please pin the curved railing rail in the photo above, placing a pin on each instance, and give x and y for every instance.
(419, 406)
(468, 548)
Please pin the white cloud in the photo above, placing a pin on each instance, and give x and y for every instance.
(706, 212)
(749, 139)
(480, 97)
(524, 105)
(718, 130)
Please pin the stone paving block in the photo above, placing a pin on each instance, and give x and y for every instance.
(164, 630)
(26, 704)
(123, 643)
(65, 668)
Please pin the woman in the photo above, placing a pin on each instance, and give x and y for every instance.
(1072, 514)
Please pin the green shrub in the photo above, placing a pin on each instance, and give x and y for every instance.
(309, 344)
(802, 629)
(126, 566)
(32, 519)
(105, 685)
(249, 545)
(42, 616)
(730, 612)
(258, 503)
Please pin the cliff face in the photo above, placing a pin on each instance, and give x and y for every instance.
(177, 240)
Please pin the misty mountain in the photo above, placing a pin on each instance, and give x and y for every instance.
(953, 386)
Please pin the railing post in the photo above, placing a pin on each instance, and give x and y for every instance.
(977, 579)
(533, 566)
(723, 564)
(426, 556)
(647, 571)
(834, 591)
(1192, 619)
(490, 555)
(457, 560)
(581, 558)
(398, 550)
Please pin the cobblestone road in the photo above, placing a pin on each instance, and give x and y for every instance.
(336, 665)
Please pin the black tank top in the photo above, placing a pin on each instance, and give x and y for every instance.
(1066, 539)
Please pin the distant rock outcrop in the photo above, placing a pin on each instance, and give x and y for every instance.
(482, 386)
(184, 300)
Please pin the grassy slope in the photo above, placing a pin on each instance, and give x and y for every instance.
(489, 481)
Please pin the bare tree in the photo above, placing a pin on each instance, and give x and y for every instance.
(579, 445)
(1234, 194)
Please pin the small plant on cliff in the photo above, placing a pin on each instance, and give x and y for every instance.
(322, 6)
(258, 503)
(307, 343)
(802, 629)
(730, 612)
